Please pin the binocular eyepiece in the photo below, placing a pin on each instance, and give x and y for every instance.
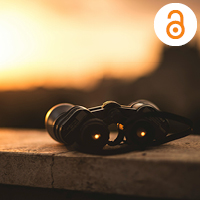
(139, 124)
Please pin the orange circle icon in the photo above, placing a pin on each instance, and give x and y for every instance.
(175, 24)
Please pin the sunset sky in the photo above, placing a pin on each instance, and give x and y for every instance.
(74, 43)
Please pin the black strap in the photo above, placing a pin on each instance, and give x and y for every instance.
(173, 117)
(172, 137)
(167, 115)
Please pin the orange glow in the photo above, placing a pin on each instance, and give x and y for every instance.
(120, 126)
(96, 136)
(74, 43)
(141, 132)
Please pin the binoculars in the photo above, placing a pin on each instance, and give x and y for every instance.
(140, 124)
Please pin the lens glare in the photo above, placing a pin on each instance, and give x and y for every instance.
(141, 132)
(96, 136)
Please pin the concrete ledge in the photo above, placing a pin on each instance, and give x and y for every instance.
(32, 158)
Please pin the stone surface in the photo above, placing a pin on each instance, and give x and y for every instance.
(32, 158)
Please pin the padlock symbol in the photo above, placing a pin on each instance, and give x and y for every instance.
(175, 29)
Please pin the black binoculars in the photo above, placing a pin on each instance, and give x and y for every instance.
(139, 124)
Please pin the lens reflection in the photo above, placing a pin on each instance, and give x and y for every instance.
(141, 132)
(96, 136)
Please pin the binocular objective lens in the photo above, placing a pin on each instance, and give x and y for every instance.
(140, 133)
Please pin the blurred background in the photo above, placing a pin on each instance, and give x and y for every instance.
(86, 52)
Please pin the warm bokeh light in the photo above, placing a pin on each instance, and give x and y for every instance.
(141, 132)
(59, 43)
(96, 136)
(120, 126)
